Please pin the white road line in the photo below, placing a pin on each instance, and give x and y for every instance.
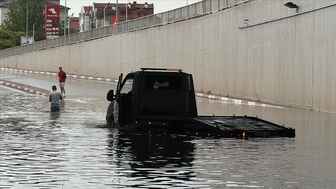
(251, 103)
(212, 97)
(224, 98)
(11, 89)
(237, 101)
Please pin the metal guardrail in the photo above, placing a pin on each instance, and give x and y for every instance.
(184, 13)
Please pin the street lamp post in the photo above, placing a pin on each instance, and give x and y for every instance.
(117, 11)
(104, 15)
(126, 11)
(33, 37)
(109, 3)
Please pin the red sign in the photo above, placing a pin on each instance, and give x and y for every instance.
(52, 18)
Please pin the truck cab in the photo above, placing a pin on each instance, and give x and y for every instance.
(152, 96)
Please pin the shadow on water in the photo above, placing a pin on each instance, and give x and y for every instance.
(54, 116)
(149, 155)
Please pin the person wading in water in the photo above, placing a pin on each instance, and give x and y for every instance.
(61, 78)
(55, 99)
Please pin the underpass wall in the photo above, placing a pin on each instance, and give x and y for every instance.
(260, 50)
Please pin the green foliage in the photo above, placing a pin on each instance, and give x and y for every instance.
(17, 17)
(8, 38)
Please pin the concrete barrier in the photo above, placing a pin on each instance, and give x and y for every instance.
(259, 50)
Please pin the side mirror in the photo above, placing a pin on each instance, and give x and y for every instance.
(110, 95)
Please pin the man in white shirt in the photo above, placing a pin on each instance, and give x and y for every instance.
(55, 99)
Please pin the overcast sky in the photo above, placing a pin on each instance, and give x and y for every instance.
(159, 5)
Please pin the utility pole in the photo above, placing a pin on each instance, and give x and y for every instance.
(68, 23)
(104, 16)
(117, 20)
(33, 32)
(106, 6)
(127, 10)
(27, 20)
(66, 18)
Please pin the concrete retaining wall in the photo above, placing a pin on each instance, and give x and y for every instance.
(260, 50)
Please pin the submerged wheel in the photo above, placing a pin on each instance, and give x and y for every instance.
(110, 115)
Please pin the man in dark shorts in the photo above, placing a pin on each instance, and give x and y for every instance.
(61, 78)
(55, 99)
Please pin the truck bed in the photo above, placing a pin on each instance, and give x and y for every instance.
(239, 127)
(217, 126)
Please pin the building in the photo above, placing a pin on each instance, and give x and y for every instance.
(64, 19)
(74, 24)
(86, 18)
(105, 14)
(4, 8)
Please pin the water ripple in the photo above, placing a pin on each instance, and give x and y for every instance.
(74, 149)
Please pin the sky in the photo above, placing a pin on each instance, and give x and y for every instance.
(159, 5)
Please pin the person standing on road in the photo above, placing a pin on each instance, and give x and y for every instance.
(61, 78)
(55, 99)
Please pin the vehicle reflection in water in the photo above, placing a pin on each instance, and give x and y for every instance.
(153, 157)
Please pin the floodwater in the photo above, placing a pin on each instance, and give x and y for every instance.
(74, 149)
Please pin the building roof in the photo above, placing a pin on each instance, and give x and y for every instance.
(110, 8)
(53, 1)
(123, 5)
(64, 7)
(87, 10)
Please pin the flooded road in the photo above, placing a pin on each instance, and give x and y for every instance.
(74, 149)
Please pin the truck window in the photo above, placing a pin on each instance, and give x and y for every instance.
(165, 82)
(127, 87)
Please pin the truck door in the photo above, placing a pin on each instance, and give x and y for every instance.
(125, 101)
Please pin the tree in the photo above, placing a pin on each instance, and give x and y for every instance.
(17, 17)
(8, 38)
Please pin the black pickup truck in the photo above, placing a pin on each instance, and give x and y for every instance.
(165, 99)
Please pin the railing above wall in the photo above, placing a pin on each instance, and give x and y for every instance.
(201, 8)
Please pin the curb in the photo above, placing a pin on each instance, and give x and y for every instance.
(24, 88)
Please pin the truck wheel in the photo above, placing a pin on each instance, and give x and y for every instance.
(110, 121)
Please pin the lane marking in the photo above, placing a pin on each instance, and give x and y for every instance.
(11, 89)
(24, 88)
